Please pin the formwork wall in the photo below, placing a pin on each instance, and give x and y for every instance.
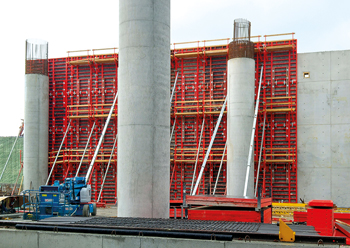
(82, 91)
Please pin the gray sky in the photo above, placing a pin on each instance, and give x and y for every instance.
(320, 25)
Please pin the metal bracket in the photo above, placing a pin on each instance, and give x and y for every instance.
(286, 234)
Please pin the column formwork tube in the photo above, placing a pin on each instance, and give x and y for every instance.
(36, 115)
(240, 109)
(143, 109)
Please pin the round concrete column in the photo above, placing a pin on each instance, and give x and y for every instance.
(240, 115)
(144, 108)
(36, 115)
(36, 122)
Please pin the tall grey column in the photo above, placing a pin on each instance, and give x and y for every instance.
(144, 108)
(36, 115)
(240, 109)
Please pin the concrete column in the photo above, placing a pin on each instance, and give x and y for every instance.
(240, 117)
(36, 115)
(144, 108)
(36, 122)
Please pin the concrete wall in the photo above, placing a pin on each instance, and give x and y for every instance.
(38, 239)
(324, 126)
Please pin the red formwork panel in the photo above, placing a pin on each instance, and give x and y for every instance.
(199, 95)
(82, 91)
(322, 219)
(81, 94)
(230, 215)
(278, 167)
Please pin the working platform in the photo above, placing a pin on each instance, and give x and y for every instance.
(176, 228)
(230, 208)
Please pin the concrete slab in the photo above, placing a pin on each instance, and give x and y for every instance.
(317, 64)
(35, 239)
(255, 244)
(314, 183)
(340, 62)
(11, 238)
(64, 240)
(314, 102)
(340, 186)
(340, 146)
(340, 107)
(121, 241)
(180, 243)
(314, 144)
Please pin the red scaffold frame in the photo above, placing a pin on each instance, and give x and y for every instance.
(82, 89)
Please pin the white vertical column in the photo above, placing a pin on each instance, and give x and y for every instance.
(144, 108)
(240, 115)
(36, 115)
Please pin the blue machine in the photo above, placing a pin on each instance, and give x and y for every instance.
(71, 198)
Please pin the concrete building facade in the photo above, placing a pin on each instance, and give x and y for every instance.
(324, 126)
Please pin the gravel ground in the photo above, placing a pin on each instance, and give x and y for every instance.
(108, 211)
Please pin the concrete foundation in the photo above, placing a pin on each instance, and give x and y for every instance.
(40, 239)
(36, 123)
(143, 108)
(324, 126)
(240, 115)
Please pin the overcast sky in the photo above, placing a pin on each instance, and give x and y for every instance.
(320, 25)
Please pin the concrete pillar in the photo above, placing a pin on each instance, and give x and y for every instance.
(36, 116)
(240, 115)
(144, 108)
(240, 109)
